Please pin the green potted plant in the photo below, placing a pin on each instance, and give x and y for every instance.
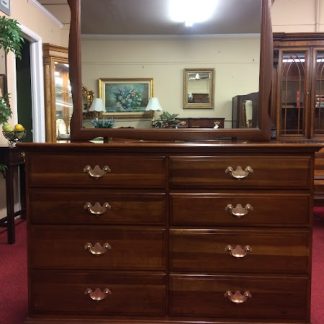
(11, 39)
(166, 120)
(103, 123)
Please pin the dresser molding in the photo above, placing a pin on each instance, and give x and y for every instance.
(141, 225)
(82, 320)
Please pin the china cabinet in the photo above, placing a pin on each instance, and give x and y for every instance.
(299, 85)
(58, 98)
(299, 93)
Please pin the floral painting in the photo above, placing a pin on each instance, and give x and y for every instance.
(125, 95)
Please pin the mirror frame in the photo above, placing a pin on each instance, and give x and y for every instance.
(262, 133)
(198, 105)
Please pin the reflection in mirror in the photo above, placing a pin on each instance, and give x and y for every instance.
(198, 88)
(245, 110)
(63, 100)
(136, 39)
(248, 111)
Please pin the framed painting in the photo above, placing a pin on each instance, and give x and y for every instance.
(5, 6)
(126, 97)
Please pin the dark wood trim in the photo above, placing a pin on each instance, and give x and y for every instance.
(301, 39)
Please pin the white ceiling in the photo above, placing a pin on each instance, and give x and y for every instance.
(151, 17)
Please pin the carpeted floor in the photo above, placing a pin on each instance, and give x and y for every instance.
(13, 275)
(317, 308)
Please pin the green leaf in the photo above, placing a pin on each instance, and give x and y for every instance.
(5, 110)
(11, 39)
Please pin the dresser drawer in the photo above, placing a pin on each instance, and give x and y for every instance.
(64, 292)
(215, 172)
(257, 298)
(122, 171)
(77, 247)
(240, 209)
(240, 251)
(67, 206)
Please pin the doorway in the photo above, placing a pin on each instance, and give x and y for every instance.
(30, 68)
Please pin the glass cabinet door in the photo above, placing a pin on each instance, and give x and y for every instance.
(318, 103)
(293, 93)
(58, 97)
(63, 100)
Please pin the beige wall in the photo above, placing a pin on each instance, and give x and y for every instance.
(298, 16)
(28, 14)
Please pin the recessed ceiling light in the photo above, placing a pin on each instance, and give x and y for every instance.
(190, 12)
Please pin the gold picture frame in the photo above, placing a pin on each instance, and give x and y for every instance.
(126, 98)
(198, 88)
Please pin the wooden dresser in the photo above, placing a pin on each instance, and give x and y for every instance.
(147, 232)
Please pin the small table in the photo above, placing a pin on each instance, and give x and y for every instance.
(14, 160)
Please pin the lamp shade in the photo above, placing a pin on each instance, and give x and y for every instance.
(153, 104)
(97, 105)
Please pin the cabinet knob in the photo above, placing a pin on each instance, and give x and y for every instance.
(238, 251)
(239, 173)
(97, 294)
(237, 297)
(97, 172)
(239, 211)
(97, 209)
(97, 249)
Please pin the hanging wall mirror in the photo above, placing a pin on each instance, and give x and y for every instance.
(198, 88)
(141, 51)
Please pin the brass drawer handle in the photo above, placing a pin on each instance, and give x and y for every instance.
(96, 209)
(239, 173)
(97, 294)
(237, 297)
(96, 172)
(97, 249)
(239, 210)
(238, 251)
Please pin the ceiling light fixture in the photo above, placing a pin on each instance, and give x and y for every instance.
(191, 11)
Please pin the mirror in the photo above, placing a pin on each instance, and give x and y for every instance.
(198, 88)
(238, 57)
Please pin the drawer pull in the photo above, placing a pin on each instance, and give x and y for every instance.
(97, 294)
(237, 297)
(238, 251)
(239, 173)
(96, 172)
(239, 210)
(97, 249)
(96, 209)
